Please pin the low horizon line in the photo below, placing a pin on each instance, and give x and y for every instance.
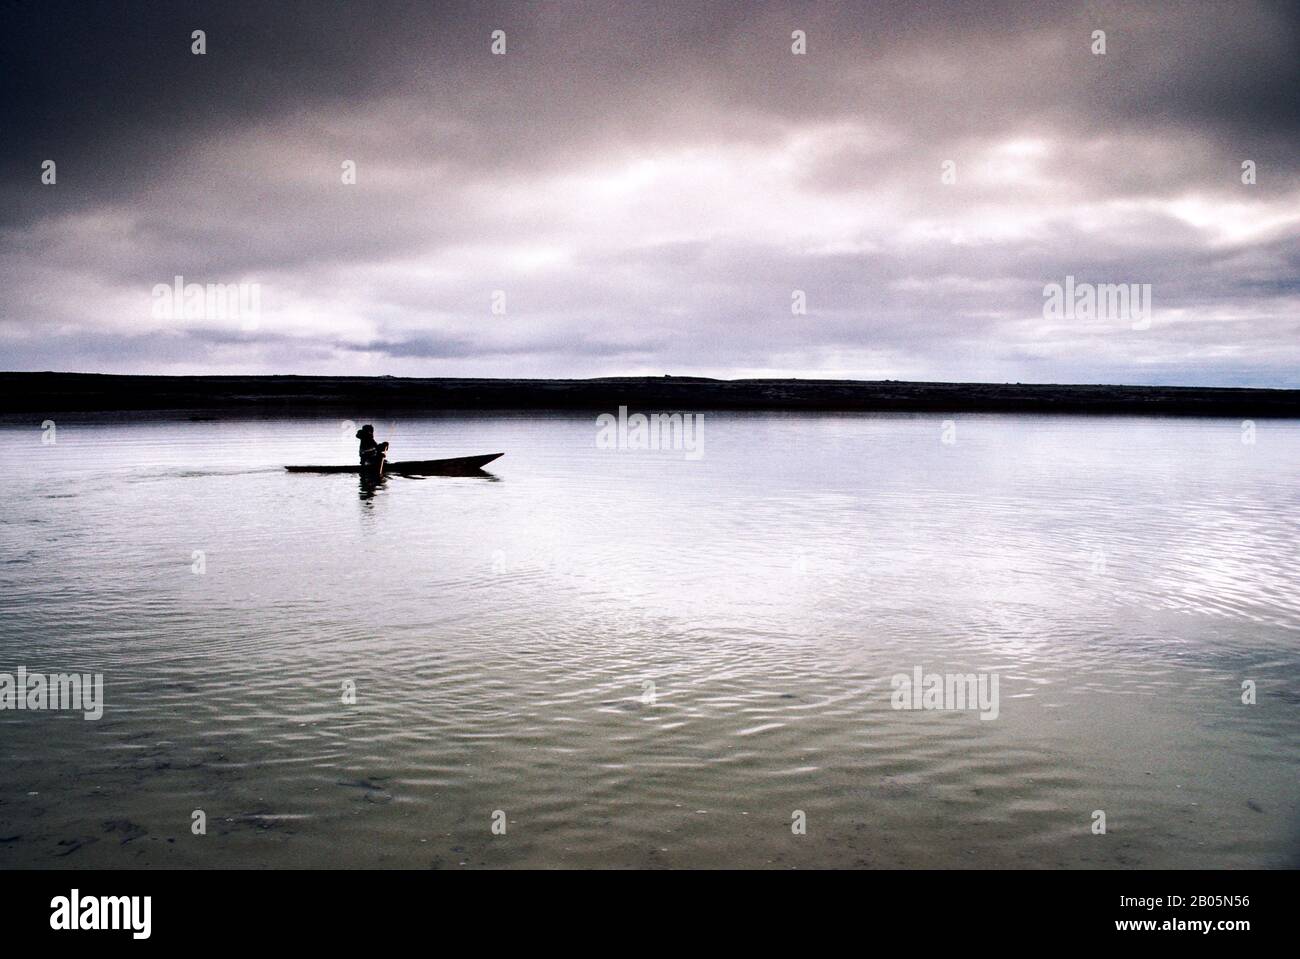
(649, 376)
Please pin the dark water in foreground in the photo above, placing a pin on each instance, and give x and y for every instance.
(1122, 577)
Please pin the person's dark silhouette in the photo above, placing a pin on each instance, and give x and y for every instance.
(372, 453)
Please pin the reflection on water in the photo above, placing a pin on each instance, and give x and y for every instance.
(368, 486)
(645, 660)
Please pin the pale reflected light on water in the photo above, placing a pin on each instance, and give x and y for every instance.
(1122, 576)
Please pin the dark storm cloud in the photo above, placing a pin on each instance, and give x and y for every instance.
(646, 184)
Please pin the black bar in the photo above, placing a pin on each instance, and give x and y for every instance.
(378, 911)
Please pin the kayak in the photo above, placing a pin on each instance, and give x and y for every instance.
(456, 466)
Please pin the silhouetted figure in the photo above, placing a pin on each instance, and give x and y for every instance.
(372, 453)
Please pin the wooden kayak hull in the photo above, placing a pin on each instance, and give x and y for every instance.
(456, 466)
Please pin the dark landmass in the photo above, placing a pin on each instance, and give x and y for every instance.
(41, 393)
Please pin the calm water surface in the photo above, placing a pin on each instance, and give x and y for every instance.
(1122, 577)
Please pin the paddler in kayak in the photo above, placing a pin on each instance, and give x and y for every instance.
(372, 454)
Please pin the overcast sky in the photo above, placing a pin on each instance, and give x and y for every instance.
(648, 184)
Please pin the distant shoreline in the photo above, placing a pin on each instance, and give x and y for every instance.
(39, 393)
